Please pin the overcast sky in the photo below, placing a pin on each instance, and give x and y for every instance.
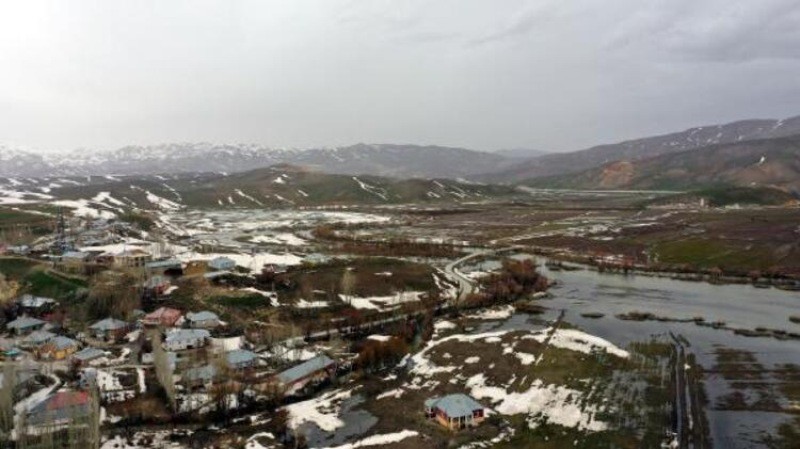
(549, 74)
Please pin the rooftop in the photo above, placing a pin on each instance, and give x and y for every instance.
(34, 302)
(24, 323)
(86, 354)
(305, 369)
(455, 405)
(108, 324)
(204, 315)
(239, 356)
(187, 334)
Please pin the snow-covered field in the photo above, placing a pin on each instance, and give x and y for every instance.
(380, 302)
(531, 397)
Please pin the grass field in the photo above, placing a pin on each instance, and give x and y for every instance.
(34, 278)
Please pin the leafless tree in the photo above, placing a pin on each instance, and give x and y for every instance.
(348, 283)
(7, 399)
(163, 369)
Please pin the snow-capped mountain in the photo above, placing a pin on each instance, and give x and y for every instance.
(383, 160)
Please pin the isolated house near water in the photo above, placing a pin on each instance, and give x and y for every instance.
(455, 411)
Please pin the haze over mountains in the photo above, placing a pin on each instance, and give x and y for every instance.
(694, 157)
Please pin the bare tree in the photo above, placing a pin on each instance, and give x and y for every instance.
(347, 284)
(163, 369)
(7, 400)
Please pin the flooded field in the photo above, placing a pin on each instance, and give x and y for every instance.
(750, 382)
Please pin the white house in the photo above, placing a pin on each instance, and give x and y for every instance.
(182, 339)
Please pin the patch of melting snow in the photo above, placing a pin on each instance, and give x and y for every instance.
(322, 411)
(576, 340)
(273, 297)
(162, 203)
(559, 404)
(380, 302)
(377, 440)
(303, 304)
(284, 238)
(371, 189)
(494, 314)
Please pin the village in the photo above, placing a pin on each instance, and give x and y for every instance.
(134, 354)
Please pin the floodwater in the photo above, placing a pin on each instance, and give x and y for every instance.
(739, 306)
(356, 422)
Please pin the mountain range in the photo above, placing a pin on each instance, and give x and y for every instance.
(554, 164)
(402, 161)
(664, 161)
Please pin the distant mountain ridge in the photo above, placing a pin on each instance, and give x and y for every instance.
(381, 160)
(555, 164)
(278, 186)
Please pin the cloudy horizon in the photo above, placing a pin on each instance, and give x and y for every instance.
(548, 75)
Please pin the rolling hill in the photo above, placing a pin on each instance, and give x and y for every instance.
(555, 164)
(759, 163)
(279, 186)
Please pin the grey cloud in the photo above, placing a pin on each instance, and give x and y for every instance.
(549, 74)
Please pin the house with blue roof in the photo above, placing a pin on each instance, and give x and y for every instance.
(202, 320)
(455, 411)
(86, 355)
(25, 325)
(36, 339)
(200, 376)
(222, 263)
(313, 370)
(240, 359)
